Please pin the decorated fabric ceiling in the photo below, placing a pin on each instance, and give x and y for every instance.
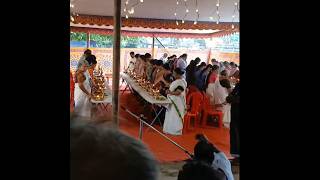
(162, 9)
(222, 16)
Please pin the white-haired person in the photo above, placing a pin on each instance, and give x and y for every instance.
(101, 153)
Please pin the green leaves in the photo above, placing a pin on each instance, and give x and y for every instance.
(106, 41)
(101, 41)
(76, 36)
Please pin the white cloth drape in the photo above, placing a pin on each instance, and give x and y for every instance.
(173, 123)
(82, 102)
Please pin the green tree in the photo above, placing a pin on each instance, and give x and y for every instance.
(131, 42)
(101, 41)
(106, 41)
(78, 36)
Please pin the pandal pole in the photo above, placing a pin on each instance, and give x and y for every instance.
(153, 46)
(116, 62)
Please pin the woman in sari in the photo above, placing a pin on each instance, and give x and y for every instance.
(173, 122)
(82, 92)
(218, 93)
(211, 81)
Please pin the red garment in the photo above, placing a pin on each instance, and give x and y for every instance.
(71, 92)
(212, 78)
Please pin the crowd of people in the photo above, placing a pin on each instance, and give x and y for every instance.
(97, 153)
(175, 78)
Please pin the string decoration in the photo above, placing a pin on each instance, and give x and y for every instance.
(175, 13)
(236, 9)
(217, 11)
(197, 12)
(129, 10)
(187, 11)
(72, 11)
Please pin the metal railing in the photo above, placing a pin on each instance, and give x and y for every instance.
(142, 122)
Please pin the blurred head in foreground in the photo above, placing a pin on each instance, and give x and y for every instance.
(100, 153)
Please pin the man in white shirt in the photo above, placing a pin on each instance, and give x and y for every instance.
(206, 151)
(164, 58)
(132, 61)
(182, 63)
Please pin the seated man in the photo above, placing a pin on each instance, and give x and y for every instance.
(100, 153)
(208, 163)
(207, 152)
